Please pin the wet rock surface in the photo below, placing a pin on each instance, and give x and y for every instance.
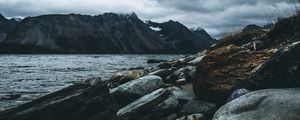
(134, 109)
(270, 104)
(77, 102)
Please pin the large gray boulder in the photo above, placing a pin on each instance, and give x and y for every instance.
(137, 88)
(269, 104)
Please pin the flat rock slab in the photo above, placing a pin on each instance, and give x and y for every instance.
(77, 102)
(143, 104)
(269, 104)
(135, 89)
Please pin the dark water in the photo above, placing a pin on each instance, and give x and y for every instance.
(27, 77)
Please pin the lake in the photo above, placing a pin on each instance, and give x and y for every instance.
(27, 77)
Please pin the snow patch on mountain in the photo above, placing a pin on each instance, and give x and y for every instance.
(155, 28)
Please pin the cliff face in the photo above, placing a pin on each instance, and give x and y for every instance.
(106, 33)
(5, 26)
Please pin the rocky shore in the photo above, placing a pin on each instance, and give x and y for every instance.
(256, 78)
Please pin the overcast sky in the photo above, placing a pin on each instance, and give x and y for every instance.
(215, 16)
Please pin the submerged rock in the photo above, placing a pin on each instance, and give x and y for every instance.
(135, 89)
(77, 102)
(224, 69)
(156, 61)
(138, 108)
(270, 104)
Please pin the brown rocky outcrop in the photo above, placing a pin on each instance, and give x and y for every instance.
(224, 69)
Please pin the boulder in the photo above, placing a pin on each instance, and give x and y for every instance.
(171, 117)
(181, 94)
(282, 71)
(198, 106)
(190, 77)
(178, 64)
(196, 61)
(269, 104)
(163, 73)
(181, 81)
(187, 87)
(171, 79)
(135, 89)
(141, 106)
(77, 102)
(198, 58)
(238, 93)
(185, 72)
(187, 58)
(193, 117)
(165, 65)
(225, 69)
(166, 108)
(123, 77)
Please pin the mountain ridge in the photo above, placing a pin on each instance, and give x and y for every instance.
(103, 33)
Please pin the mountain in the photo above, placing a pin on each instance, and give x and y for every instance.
(106, 33)
(5, 26)
(179, 36)
(203, 36)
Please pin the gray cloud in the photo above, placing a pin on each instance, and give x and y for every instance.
(216, 16)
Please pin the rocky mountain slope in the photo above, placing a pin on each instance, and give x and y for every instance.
(106, 33)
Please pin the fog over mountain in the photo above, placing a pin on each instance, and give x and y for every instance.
(215, 16)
